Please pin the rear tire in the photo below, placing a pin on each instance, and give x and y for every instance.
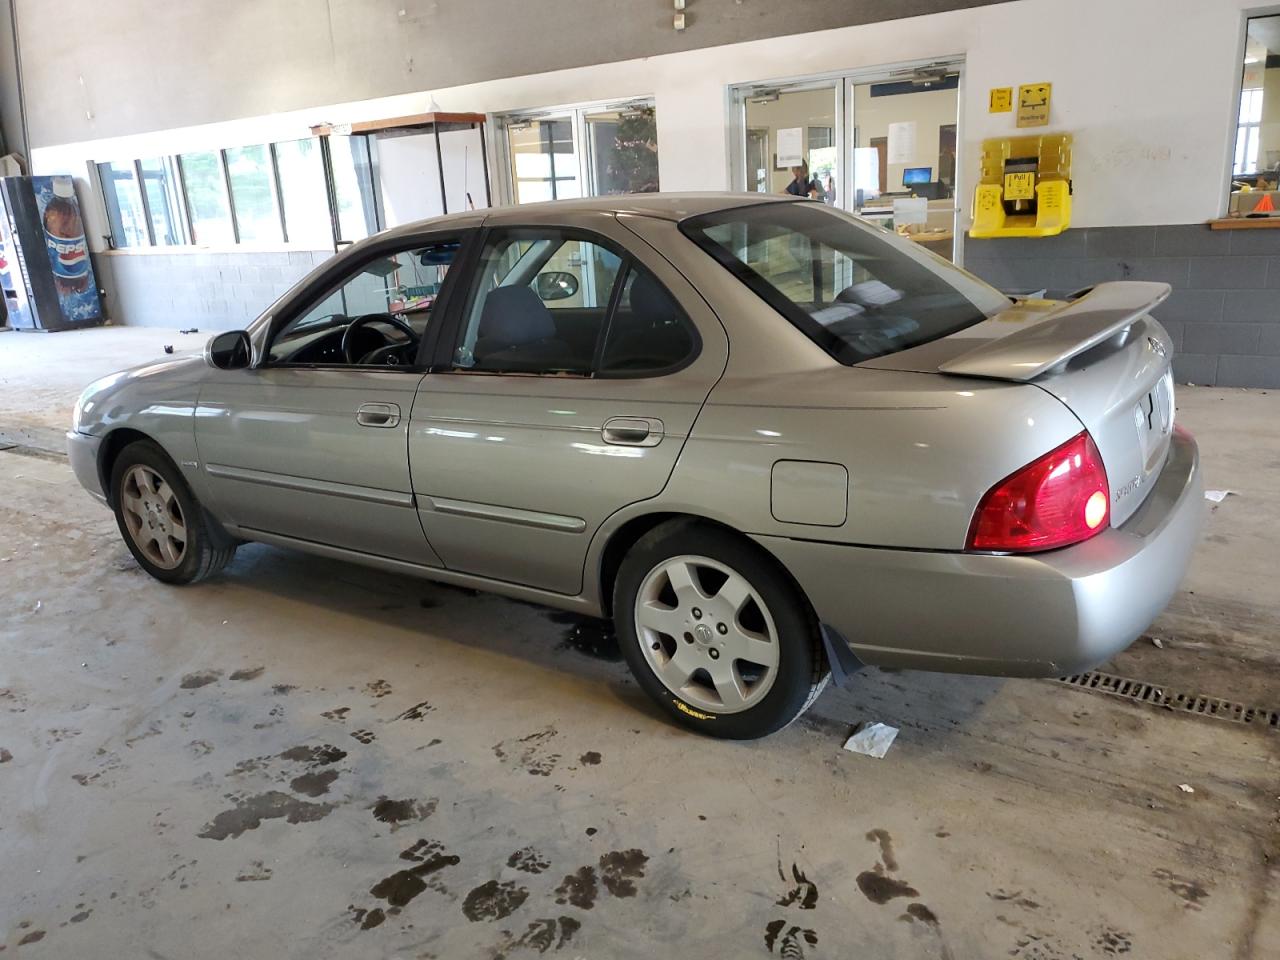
(163, 525)
(716, 632)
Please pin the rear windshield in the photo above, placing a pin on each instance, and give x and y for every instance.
(854, 289)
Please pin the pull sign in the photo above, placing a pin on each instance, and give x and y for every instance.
(1001, 100)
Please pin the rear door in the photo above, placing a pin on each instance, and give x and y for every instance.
(554, 409)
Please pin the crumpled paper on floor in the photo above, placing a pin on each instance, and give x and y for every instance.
(872, 740)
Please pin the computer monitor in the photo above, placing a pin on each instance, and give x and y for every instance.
(913, 176)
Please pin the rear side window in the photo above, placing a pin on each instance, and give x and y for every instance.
(559, 303)
(855, 290)
(649, 332)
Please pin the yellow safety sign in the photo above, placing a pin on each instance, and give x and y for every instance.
(1033, 104)
(1001, 100)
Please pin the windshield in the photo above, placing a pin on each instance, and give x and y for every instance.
(855, 290)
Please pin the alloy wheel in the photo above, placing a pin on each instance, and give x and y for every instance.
(707, 634)
(153, 516)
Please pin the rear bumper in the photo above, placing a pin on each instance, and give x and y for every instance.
(82, 451)
(1050, 614)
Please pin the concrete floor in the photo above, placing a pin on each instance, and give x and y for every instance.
(308, 759)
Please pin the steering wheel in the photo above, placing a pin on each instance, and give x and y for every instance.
(359, 323)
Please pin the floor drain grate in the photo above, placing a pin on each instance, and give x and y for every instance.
(1139, 691)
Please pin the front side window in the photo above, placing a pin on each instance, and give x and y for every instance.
(555, 302)
(375, 316)
(856, 291)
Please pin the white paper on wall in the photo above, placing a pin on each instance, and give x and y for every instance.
(902, 142)
(866, 171)
(790, 146)
(909, 211)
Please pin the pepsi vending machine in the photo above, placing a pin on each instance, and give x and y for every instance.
(45, 273)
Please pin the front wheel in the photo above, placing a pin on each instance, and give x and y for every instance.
(716, 632)
(162, 524)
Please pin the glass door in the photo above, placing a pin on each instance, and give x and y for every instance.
(904, 139)
(792, 139)
(867, 138)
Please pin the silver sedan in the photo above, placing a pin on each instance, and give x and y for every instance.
(771, 441)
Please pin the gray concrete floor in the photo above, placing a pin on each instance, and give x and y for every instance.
(309, 759)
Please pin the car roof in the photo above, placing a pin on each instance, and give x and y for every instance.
(662, 206)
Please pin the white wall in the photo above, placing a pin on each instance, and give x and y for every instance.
(1146, 86)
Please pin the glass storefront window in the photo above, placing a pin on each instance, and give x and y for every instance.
(124, 204)
(164, 204)
(353, 186)
(583, 152)
(206, 188)
(306, 207)
(544, 160)
(624, 151)
(253, 193)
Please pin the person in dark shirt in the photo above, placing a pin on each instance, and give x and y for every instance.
(802, 185)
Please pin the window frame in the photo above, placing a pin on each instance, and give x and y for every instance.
(341, 269)
(451, 341)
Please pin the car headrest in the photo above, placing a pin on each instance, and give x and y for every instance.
(514, 315)
(650, 302)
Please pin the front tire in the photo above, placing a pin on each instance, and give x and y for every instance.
(716, 632)
(163, 526)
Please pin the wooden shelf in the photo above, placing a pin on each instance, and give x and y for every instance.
(1245, 223)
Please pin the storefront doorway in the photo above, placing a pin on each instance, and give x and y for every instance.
(589, 151)
(870, 140)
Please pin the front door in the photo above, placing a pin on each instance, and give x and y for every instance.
(311, 443)
(581, 361)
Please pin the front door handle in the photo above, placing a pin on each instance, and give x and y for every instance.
(385, 415)
(632, 431)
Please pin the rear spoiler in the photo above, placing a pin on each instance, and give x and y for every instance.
(1071, 330)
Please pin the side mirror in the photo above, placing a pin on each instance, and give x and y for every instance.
(555, 285)
(228, 351)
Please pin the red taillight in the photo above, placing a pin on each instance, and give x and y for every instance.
(1060, 499)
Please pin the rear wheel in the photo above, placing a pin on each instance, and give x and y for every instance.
(716, 632)
(162, 524)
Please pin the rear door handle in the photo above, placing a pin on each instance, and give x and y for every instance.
(385, 415)
(632, 431)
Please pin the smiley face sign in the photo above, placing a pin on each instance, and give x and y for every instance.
(1033, 104)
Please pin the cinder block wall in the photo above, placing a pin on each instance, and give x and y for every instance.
(211, 291)
(1223, 314)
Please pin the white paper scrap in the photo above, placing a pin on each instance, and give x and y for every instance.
(872, 739)
(1186, 788)
(1217, 496)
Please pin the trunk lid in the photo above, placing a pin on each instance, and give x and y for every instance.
(1103, 356)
